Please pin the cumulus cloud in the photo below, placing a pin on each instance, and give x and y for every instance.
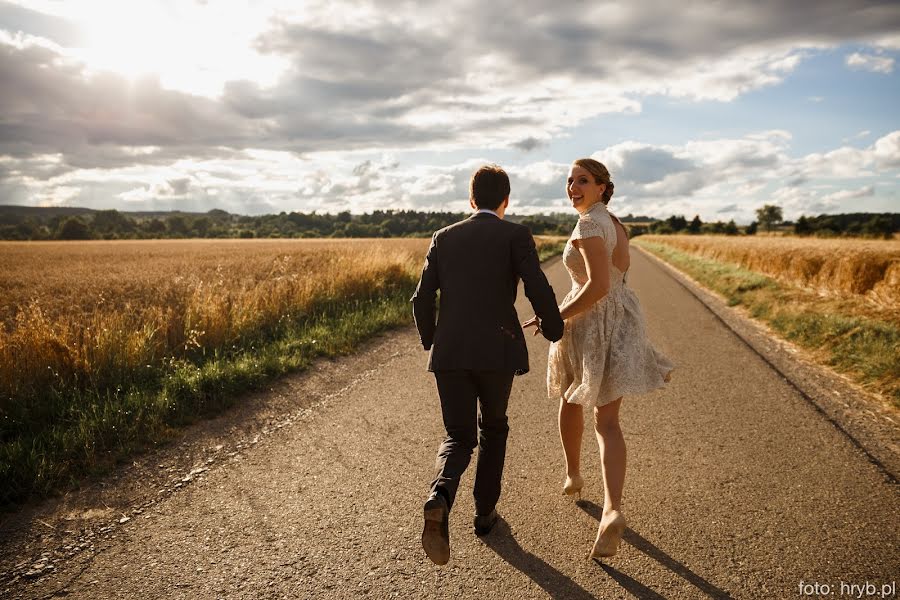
(711, 178)
(644, 164)
(699, 176)
(15, 18)
(844, 195)
(51, 105)
(870, 62)
(799, 201)
(398, 76)
(365, 80)
(886, 151)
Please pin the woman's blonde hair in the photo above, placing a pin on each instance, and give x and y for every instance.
(600, 173)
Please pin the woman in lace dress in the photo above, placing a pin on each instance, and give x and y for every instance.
(604, 353)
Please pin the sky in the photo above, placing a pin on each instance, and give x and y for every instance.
(256, 107)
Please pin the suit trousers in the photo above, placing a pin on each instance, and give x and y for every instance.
(473, 405)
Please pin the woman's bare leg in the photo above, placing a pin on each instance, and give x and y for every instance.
(571, 428)
(612, 454)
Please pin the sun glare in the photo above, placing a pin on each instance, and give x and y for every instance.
(191, 47)
(132, 39)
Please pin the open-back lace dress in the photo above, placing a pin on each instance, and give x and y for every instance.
(604, 353)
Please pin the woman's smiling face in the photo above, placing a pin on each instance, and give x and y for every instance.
(582, 189)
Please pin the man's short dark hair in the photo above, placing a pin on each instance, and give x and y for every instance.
(489, 187)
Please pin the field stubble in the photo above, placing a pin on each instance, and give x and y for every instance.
(106, 346)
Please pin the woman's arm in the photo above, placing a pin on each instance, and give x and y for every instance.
(593, 251)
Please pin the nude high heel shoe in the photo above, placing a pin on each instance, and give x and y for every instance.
(609, 535)
(573, 485)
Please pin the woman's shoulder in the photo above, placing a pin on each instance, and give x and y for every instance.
(588, 225)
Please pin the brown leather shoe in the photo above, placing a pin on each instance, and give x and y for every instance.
(484, 523)
(436, 533)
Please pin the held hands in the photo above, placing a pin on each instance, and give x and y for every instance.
(533, 322)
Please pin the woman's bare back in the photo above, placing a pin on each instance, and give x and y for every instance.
(621, 259)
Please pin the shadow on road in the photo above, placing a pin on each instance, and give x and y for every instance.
(648, 548)
(557, 585)
(629, 584)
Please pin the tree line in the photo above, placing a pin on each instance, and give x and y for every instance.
(771, 219)
(31, 223)
(17, 223)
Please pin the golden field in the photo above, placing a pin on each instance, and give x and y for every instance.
(73, 279)
(867, 269)
(85, 311)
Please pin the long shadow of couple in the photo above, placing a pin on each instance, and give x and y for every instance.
(558, 585)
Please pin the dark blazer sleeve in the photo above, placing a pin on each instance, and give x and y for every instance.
(424, 299)
(537, 288)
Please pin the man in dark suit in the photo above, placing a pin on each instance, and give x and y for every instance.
(477, 345)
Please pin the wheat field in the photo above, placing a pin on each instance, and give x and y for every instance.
(88, 313)
(868, 269)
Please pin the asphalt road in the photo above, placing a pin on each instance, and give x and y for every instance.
(736, 488)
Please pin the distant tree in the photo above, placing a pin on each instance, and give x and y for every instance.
(27, 230)
(678, 223)
(177, 225)
(803, 226)
(769, 216)
(751, 228)
(111, 221)
(218, 214)
(695, 225)
(201, 225)
(879, 226)
(867, 224)
(715, 227)
(155, 227)
(74, 228)
(9, 232)
(731, 228)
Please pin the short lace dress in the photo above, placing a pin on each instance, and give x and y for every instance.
(604, 353)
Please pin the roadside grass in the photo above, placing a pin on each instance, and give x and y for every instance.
(72, 427)
(841, 332)
(548, 247)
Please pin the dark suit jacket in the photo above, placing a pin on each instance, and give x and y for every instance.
(477, 264)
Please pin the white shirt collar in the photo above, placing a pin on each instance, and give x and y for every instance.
(487, 210)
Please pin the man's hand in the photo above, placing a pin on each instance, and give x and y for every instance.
(533, 322)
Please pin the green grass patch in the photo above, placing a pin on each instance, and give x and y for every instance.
(550, 249)
(865, 349)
